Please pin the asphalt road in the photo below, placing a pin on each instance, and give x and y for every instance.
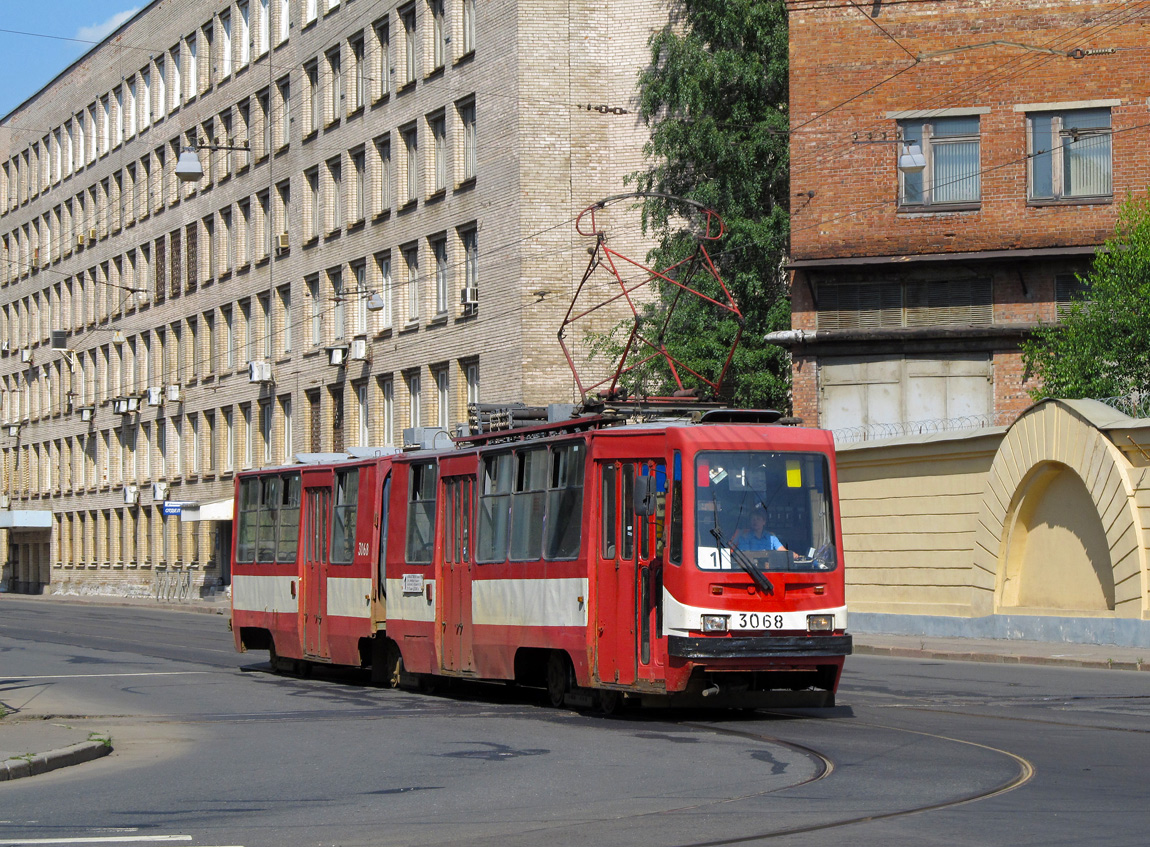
(211, 749)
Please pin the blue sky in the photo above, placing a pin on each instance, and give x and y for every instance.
(29, 61)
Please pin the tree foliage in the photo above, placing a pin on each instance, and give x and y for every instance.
(1102, 347)
(714, 98)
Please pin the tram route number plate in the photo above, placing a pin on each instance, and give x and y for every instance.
(413, 583)
(756, 620)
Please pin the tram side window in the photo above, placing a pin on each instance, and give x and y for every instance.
(528, 502)
(564, 502)
(343, 516)
(421, 513)
(675, 547)
(269, 513)
(607, 513)
(287, 535)
(249, 514)
(494, 508)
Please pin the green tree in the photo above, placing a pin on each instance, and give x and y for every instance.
(714, 99)
(1102, 347)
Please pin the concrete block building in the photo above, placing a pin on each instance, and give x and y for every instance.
(381, 234)
(911, 290)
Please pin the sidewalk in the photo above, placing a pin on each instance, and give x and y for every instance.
(1004, 652)
(31, 747)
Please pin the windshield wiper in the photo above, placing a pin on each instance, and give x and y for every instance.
(740, 559)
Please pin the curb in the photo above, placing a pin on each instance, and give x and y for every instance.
(997, 659)
(76, 754)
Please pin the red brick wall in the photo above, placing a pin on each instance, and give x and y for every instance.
(837, 53)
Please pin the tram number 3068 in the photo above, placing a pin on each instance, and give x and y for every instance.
(754, 620)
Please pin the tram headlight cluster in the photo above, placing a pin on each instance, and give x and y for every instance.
(820, 623)
(715, 623)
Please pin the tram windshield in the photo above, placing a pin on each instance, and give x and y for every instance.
(765, 511)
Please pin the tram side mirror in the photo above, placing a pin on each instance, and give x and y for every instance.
(644, 495)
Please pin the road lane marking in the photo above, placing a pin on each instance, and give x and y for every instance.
(102, 676)
(111, 839)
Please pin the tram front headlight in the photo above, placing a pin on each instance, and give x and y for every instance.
(715, 623)
(820, 623)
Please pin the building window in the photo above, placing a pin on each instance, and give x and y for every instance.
(358, 203)
(245, 33)
(312, 224)
(471, 371)
(467, 125)
(314, 104)
(225, 44)
(442, 276)
(411, 163)
(284, 297)
(1070, 154)
(438, 127)
(335, 286)
(335, 200)
(442, 399)
(383, 157)
(359, 304)
(1068, 290)
(468, 35)
(266, 430)
(315, 310)
(387, 389)
(383, 280)
(411, 265)
(468, 239)
(265, 305)
(284, 89)
(285, 20)
(414, 412)
(335, 91)
(382, 66)
(407, 19)
(951, 148)
(362, 429)
(358, 88)
(285, 411)
(438, 34)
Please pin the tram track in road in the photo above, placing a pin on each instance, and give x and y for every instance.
(1025, 773)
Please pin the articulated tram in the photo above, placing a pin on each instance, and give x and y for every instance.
(693, 561)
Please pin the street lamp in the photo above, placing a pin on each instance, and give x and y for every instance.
(188, 167)
(911, 161)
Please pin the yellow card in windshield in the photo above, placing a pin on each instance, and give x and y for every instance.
(794, 474)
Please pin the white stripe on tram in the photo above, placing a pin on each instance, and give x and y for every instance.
(529, 602)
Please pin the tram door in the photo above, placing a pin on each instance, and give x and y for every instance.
(625, 596)
(456, 624)
(317, 533)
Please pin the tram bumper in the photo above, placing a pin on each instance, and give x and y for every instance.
(760, 647)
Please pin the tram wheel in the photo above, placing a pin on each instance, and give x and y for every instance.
(558, 678)
(608, 702)
(274, 659)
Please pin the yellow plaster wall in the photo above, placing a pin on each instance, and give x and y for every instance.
(1048, 517)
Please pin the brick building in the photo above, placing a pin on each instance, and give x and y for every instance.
(911, 291)
(394, 241)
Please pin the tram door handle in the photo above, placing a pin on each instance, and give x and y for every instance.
(293, 589)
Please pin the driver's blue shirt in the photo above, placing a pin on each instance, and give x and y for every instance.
(766, 541)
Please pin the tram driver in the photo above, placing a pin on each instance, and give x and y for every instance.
(756, 537)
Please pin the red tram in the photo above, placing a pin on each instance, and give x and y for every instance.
(676, 561)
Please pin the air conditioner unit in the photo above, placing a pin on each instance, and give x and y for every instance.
(5, 501)
(358, 350)
(155, 395)
(337, 355)
(87, 413)
(283, 241)
(92, 235)
(5, 346)
(26, 355)
(131, 495)
(125, 405)
(159, 491)
(469, 296)
(176, 393)
(259, 370)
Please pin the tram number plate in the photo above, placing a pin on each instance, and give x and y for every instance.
(756, 620)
